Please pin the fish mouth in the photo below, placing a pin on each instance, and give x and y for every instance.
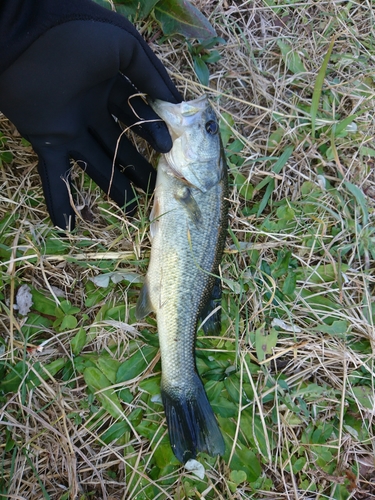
(179, 116)
(193, 107)
(168, 110)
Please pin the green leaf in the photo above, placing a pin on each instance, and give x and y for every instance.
(366, 151)
(53, 368)
(211, 42)
(283, 159)
(266, 196)
(147, 429)
(226, 125)
(285, 212)
(365, 396)
(237, 476)
(291, 59)
(180, 17)
(213, 389)
(57, 246)
(323, 456)
(275, 138)
(318, 88)
(245, 188)
(9, 445)
(125, 395)
(136, 364)
(95, 295)
(360, 198)
(323, 273)
(299, 465)
(265, 343)
(289, 284)
(339, 327)
(150, 338)
(12, 380)
(341, 127)
(102, 280)
(135, 10)
(254, 432)
(340, 492)
(115, 432)
(6, 156)
(97, 381)
(30, 374)
(163, 454)
(108, 366)
(319, 303)
(232, 384)
(201, 70)
(150, 385)
(35, 324)
(246, 461)
(224, 408)
(118, 313)
(43, 304)
(236, 146)
(308, 187)
(69, 322)
(83, 362)
(212, 57)
(67, 307)
(78, 342)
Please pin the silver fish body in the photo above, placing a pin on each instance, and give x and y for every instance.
(188, 228)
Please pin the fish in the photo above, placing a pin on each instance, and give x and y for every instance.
(188, 228)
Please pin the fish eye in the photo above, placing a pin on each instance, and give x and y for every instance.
(212, 127)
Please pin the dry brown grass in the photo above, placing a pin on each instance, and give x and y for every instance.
(58, 447)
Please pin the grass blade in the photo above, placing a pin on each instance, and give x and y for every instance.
(270, 181)
(318, 87)
(360, 198)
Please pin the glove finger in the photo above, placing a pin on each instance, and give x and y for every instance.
(53, 168)
(132, 110)
(144, 69)
(134, 165)
(99, 166)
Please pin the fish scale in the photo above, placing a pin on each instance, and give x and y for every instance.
(183, 281)
(188, 227)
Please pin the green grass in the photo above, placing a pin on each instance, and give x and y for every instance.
(291, 377)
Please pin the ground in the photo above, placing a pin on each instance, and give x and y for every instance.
(291, 377)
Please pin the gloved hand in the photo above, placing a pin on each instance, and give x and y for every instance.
(62, 91)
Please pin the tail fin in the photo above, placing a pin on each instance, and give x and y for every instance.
(191, 422)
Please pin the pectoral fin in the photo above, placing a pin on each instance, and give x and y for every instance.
(187, 200)
(144, 306)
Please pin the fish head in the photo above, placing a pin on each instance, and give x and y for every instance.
(195, 156)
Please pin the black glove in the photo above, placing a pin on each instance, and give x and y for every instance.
(62, 90)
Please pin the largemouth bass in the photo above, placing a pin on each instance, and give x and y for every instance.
(188, 228)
